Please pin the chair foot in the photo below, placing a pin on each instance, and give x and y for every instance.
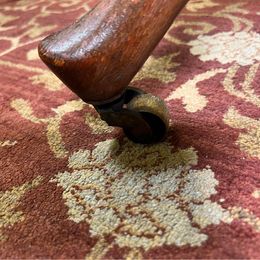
(143, 117)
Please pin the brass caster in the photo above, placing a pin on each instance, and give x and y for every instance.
(143, 117)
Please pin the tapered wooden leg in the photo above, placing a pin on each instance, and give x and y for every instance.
(98, 56)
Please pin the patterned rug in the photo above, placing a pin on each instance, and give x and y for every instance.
(72, 187)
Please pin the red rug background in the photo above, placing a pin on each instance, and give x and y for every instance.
(207, 70)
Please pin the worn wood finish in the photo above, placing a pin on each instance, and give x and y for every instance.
(98, 56)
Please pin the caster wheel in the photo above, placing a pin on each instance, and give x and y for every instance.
(154, 119)
(143, 117)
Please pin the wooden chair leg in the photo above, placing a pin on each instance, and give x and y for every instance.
(98, 56)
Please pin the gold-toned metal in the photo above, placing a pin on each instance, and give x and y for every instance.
(143, 117)
(150, 104)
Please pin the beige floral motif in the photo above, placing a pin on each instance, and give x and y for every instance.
(9, 201)
(66, 6)
(189, 93)
(231, 12)
(7, 143)
(189, 27)
(249, 140)
(54, 136)
(197, 5)
(48, 79)
(195, 28)
(55, 141)
(97, 125)
(207, 213)
(158, 68)
(246, 216)
(256, 194)
(33, 54)
(244, 89)
(37, 29)
(31, 28)
(23, 5)
(6, 18)
(25, 110)
(42, 77)
(226, 47)
(142, 195)
(99, 250)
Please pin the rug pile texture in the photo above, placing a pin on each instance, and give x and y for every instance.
(73, 187)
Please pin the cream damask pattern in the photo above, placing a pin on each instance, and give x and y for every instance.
(42, 77)
(53, 133)
(197, 5)
(31, 32)
(33, 54)
(9, 201)
(97, 125)
(193, 101)
(158, 68)
(189, 27)
(4, 18)
(226, 47)
(230, 12)
(256, 194)
(32, 28)
(246, 216)
(48, 80)
(142, 195)
(248, 140)
(244, 90)
(45, 78)
(7, 143)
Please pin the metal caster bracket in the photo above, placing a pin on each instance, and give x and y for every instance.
(143, 117)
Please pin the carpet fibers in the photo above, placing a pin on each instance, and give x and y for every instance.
(73, 187)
